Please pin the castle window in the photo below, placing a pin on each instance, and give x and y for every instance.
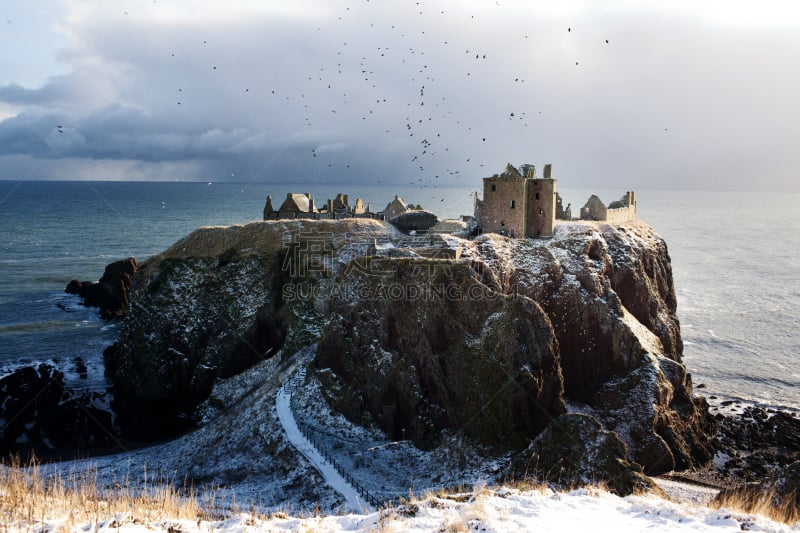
(541, 211)
(537, 195)
(494, 188)
(513, 204)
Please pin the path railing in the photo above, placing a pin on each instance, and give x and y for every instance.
(291, 387)
(294, 383)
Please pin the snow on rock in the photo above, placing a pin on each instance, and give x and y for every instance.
(441, 361)
(574, 450)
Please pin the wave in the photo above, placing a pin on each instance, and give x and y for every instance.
(36, 327)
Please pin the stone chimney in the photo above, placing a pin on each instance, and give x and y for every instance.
(310, 205)
(548, 171)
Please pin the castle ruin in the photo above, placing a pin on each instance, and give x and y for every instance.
(518, 204)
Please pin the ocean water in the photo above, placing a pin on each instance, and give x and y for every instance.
(734, 258)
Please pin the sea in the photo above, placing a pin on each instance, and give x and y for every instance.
(735, 259)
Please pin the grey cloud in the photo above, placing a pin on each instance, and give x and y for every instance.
(386, 93)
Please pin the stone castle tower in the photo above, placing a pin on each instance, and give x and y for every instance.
(519, 204)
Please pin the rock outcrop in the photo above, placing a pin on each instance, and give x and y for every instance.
(608, 292)
(575, 451)
(415, 220)
(491, 346)
(111, 293)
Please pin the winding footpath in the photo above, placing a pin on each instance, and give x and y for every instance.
(302, 444)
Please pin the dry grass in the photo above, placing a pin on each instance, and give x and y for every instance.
(756, 500)
(29, 497)
(270, 236)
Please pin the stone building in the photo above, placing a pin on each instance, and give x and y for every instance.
(395, 208)
(619, 211)
(518, 205)
(294, 206)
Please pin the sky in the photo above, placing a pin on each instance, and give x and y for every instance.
(640, 94)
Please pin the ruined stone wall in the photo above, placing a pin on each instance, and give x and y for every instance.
(594, 209)
(504, 205)
(623, 214)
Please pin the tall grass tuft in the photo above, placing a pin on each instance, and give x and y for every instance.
(29, 498)
(756, 499)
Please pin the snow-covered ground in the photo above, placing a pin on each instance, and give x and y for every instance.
(246, 451)
(497, 510)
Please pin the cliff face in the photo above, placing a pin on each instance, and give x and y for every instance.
(492, 345)
(423, 346)
(609, 295)
(211, 306)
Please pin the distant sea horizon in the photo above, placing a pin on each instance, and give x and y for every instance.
(733, 254)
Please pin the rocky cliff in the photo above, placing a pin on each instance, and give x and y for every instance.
(212, 305)
(493, 345)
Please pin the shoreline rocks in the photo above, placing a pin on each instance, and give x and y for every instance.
(39, 415)
(111, 293)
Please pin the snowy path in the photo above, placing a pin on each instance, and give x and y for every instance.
(326, 470)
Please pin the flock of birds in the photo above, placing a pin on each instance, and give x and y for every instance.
(397, 94)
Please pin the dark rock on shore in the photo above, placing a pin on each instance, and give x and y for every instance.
(575, 450)
(758, 443)
(111, 294)
(29, 398)
(37, 414)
